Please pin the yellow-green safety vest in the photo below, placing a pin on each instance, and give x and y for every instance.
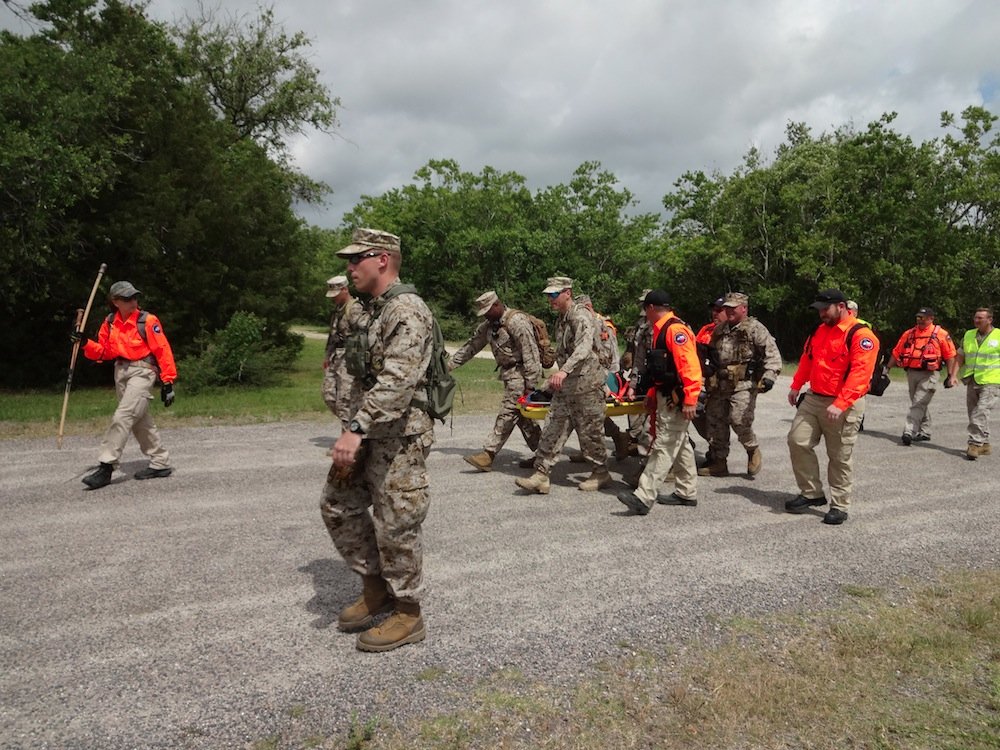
(982, 361)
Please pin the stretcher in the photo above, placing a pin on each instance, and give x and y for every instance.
(535, 405)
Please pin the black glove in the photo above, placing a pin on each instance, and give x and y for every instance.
(167, 394)
(76, 336)
(766, 384)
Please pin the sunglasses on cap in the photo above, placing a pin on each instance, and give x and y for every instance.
(353, 260)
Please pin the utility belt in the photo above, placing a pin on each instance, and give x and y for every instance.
(733, 373)
(149, 359)
(925, 364)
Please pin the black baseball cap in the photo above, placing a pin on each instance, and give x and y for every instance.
(828, 297)
(927, 312)
(717, 302)
(657, 297)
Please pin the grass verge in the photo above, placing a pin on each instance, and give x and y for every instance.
(915, 668)
(26, 414)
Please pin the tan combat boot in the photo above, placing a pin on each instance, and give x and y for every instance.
(718, 468)
(754, 462)
(598, 478)
(985, 450)
(974, 451)
(482, 460)
(374, 600)
(537, 482)
(404, 626)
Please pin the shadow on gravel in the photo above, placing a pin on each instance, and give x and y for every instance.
(336, 586)
(774, 501)
(895, 440)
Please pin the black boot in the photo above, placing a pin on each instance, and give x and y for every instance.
(100, 478)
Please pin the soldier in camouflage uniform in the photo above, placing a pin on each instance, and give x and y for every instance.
(337, 383)
(578, 394)
(379, 461)
(749, 363)
(512, 340)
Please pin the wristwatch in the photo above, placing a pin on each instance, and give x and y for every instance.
(355, 427)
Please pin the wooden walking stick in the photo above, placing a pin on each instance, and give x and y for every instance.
(81, 321)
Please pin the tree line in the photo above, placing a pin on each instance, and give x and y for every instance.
(161, 151)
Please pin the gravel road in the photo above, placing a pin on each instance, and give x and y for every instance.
(199, 611)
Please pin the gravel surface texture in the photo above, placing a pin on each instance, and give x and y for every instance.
(199, 611)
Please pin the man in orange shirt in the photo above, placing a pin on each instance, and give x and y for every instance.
(923, 351)
(837, 362)
(673, 367)
(135, 340)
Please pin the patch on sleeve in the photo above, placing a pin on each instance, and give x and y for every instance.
(680, 338)
(156, 328)
(867, 344)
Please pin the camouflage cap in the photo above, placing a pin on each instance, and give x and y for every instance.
(735, 299)
(335, 285)
(557, 284)
(122, 289)
(363, 240)
(485, 301)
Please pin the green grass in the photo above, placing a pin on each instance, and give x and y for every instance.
(36, 413)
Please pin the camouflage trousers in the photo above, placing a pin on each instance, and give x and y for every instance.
(922, 384)
(337, 383)
(509, 417)
(390, 478)
(726, 408)
(582, 411)
(808, 427)
(979, 400)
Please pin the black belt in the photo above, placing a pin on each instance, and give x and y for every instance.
(824, 395)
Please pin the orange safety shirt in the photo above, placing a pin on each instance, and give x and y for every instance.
(681, 345)
(704, 336)
(122, 340)
(918, 349)
(833, 371)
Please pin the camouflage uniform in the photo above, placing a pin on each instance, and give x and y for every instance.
(390, 474)
(337, 382)
(512, 341)
(579, 404)
(639, 342)
(732, 397)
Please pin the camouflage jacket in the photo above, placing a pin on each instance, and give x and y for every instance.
(576, 352)
(512, 341)
(399, 338)
(342, 320)
(748, 341)
(640, 342)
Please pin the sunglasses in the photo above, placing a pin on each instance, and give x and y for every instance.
(553, 295)
(355, 259)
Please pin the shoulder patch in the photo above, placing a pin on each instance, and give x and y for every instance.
(156, 328)
(867, 344)
(680, 338)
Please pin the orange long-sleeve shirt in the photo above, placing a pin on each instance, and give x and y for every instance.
(122, 340)
(681, 345)
(704, 335)
(833, 371)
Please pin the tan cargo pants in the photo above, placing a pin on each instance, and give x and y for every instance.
(671, 449)
(809, 425)
(134, 383)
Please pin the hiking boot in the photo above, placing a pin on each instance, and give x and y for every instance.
(985, 450)
(623, 445)
(527, 463)
(374, 600)
(404, 626)
(537, 482)
(674, 499)
(972, 452)
(718, 468)
(708, 460)
(835, 516)
(99, 478)
(802, 503)
(150, 473)
(577, 457)
(598, 478)
(482, 460)
(754, 462)
(633, 503)
(906, 439)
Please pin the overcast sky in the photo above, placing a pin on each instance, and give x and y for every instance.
(649, 89)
